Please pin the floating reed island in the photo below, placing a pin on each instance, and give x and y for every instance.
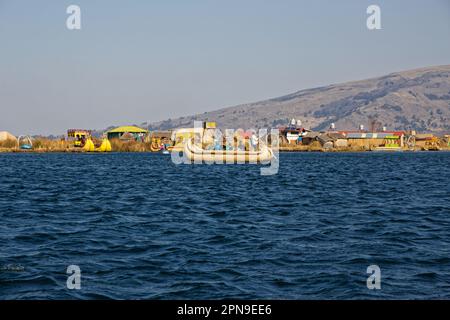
(291, 138)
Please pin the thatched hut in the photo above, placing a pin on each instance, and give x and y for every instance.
(325, 138)
(5, 135)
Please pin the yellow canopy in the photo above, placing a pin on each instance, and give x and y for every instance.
(130, 129)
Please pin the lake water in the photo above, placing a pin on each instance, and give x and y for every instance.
(140, 227)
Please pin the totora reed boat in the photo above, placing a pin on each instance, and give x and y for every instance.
(197, 154)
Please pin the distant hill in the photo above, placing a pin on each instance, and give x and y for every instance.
(416, 99)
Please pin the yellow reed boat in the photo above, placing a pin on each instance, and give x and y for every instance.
(104, 147)
(197, 154)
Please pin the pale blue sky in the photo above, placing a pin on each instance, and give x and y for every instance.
(136, 61)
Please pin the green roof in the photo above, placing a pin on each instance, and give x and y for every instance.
(130, 129)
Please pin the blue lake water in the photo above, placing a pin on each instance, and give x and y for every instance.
(140, 227)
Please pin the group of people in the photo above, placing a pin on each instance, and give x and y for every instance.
(214, 140)
(80, 140)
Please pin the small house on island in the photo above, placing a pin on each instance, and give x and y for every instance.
(128, 133)
(7, 140)
(5, 136)
(328, 139)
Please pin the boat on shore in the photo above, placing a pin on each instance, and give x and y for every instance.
(104, 147)
(195, 153)
(25, 143)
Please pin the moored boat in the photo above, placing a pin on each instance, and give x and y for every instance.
(197, 154)
(390, 149)
(89, 146)
(25, 143)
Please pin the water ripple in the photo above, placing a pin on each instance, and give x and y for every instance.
(140, 227)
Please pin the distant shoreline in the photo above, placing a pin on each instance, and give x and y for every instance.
(281, 150)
